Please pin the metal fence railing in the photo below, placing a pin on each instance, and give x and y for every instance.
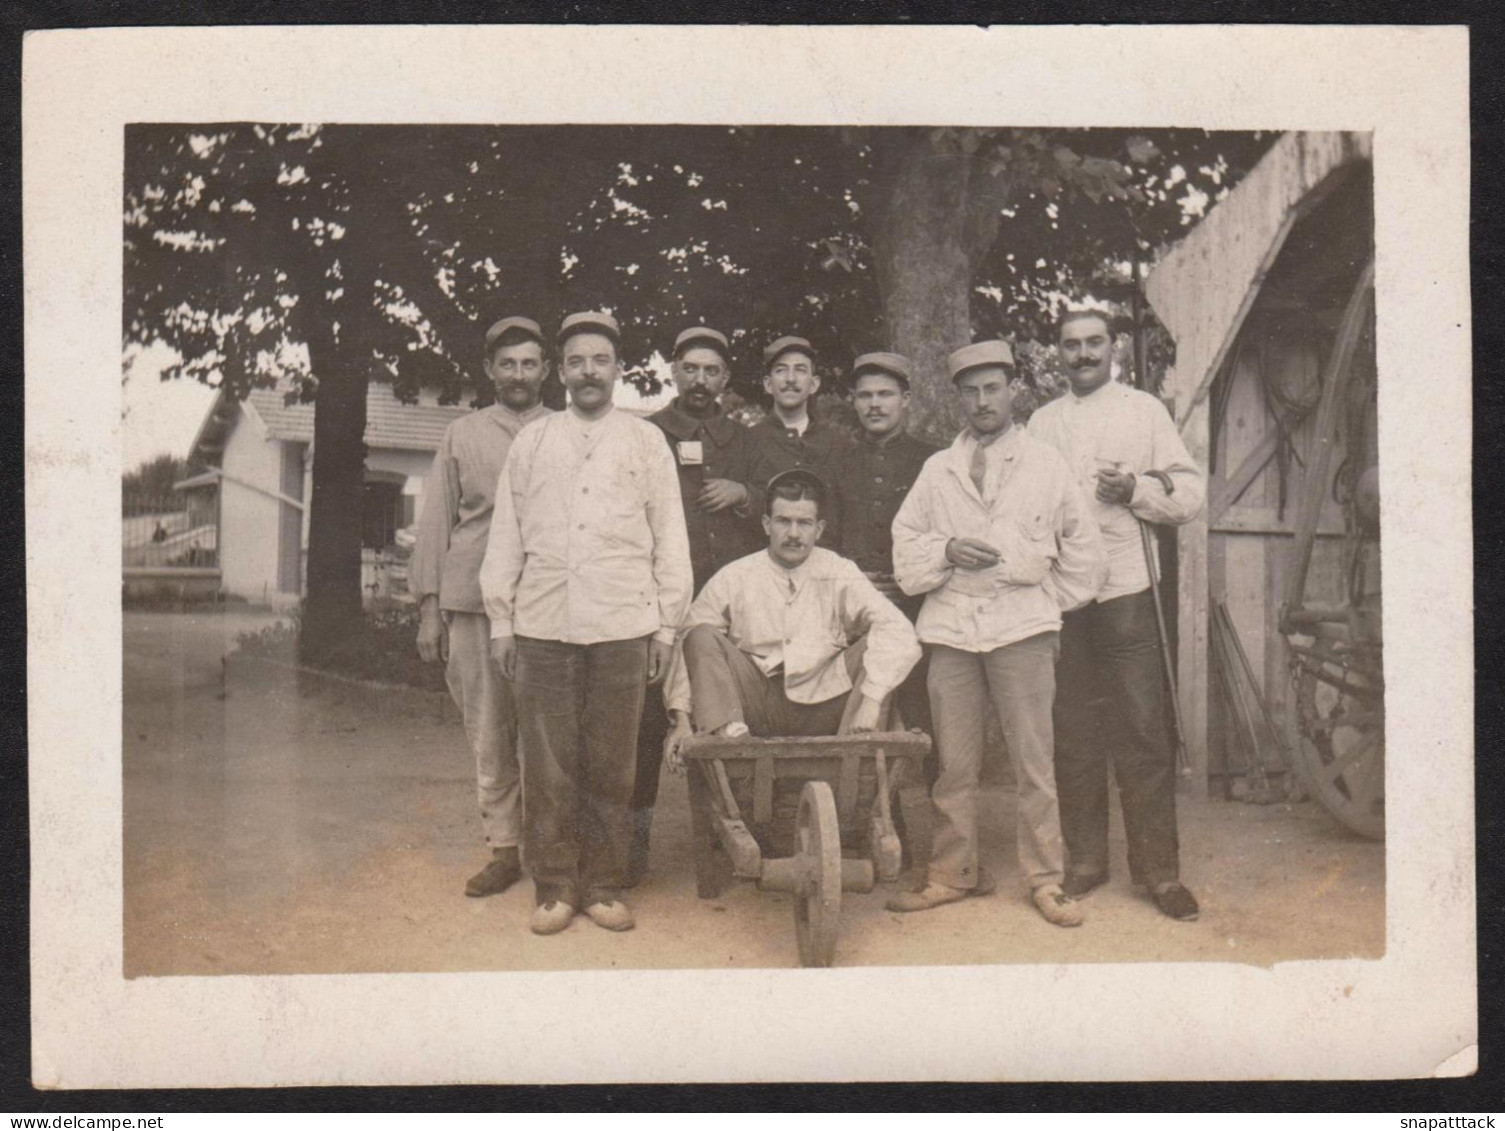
(179, 531)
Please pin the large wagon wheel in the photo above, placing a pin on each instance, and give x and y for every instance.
(1341, 755)
(817, 899)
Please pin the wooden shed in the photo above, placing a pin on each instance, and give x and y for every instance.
(1270, 302)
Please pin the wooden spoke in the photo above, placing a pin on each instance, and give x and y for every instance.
(817, 903)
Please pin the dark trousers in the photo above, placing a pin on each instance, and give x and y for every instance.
(578, 709)
(652, 731)
(1110, 701)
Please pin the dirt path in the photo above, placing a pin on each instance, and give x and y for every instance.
(267, 833)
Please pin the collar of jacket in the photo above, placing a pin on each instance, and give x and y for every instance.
(527, 416)
(681, 425)
(772, 423)
(959, 456)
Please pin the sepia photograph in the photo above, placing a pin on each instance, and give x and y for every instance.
(336, 337)
(646, 552)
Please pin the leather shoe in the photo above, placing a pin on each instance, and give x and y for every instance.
(1057, 907)
(931, 895)
(552, 917)
(1078, 884)
(1175, 901)
(504, 870)
(612, 914)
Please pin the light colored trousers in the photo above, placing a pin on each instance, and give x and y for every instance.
(1019, 682)
(485, 702)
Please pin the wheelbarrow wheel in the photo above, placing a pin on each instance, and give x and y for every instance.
(817, 901)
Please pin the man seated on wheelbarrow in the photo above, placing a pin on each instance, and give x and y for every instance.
(791, 640)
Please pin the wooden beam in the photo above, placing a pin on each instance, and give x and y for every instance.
(1192, 605)
(1321, 465)
(1267, 520)
(1223, 495)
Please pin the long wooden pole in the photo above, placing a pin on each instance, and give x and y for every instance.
(1183, 760)
(1320, 467)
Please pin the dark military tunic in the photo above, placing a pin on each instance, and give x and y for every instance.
(870, 483)
(725, 452)
(776, 449)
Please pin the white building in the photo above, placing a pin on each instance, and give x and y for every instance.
(260, 454)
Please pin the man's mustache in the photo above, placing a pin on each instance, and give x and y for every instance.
(1087, 363)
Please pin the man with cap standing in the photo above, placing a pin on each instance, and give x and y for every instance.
(714, 457)
(996, 534)
(1124, 450)
(791, 435)
(777, 641)
(586, 580)
(444, 575)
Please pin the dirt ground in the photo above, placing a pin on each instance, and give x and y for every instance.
(268, 833)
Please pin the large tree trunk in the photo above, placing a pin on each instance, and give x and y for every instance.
(937, 221)
(332, 604)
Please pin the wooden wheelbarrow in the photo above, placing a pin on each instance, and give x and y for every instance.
(782, 809)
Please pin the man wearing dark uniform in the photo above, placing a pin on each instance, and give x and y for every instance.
(713, 455)
(870, 483)
(791, 436)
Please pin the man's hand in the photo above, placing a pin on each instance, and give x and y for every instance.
(1115, 486)
(718, 494)
(433, 634)
(865, 718)
(970, 553)
(504, 655)
(659, 655)
(679, 730)
(885, 584)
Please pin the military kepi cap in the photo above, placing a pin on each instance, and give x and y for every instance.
(590, 322)
(993, 352)
(522, 325)
(702, 336)
(800, 475)
(780, 346)
(896, 365)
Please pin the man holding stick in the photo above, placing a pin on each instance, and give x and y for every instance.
(1125, 452)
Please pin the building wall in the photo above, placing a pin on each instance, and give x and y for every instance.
(413, 466)
(248, 518)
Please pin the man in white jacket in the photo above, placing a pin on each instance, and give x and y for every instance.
(998, 537)
(585, 580)
(1124, 451)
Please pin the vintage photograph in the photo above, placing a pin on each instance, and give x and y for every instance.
(580, 547)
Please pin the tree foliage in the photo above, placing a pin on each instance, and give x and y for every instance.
(328, 256)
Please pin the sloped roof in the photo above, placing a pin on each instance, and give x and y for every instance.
(389, 422)
(1205, 285)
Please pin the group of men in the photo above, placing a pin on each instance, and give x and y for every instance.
(599, 589)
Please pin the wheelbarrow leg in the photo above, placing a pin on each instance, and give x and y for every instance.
(702, 836)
